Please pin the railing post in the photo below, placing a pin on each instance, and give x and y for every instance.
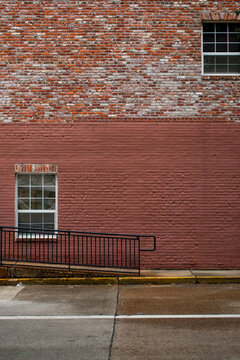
(69, 259)
(139, 258)
(1, 229)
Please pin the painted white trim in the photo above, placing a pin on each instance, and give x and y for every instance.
(109, 317)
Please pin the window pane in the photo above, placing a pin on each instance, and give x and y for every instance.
(234, 27)
(49, 221)
(24, 226)
(208, 38)
(221, 47)
(49, 226)
(49, 204)
(23, 180)
(36, 218)
(24, 221)
(49, 192)
(234, 69)
(36, 192)
(36, 204)
(221, 27)
(234, 60)
(221, 69)
(23, 218)
(209, 69)
(23, 204)
(209, 60)
(36, 180)
(36, 226)
(23, 192)
(208, 27)
(221, 38)
(234, 37)
(49, 180)
(221, 60)
(209, 47)
(234, 47)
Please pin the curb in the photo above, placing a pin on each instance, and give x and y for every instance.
(61, 281)
(156, 280)
(123, 280)
(217, 279)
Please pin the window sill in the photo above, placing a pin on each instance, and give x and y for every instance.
(35, 238)
(220, 77)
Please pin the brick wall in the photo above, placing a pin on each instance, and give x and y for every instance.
(71, 61)
(179, 182)
(111, 92)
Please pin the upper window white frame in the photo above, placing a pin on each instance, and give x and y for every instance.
(221, 48)
(36, 199)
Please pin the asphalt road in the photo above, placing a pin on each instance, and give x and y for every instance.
(111, 322)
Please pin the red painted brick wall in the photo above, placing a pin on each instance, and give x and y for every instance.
(112, 92)
(71, 61)
(179, 182)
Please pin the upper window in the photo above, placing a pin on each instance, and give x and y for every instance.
(221, 48)
(36, 201)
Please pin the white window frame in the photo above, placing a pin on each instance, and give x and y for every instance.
(217, 53)
(17, 211)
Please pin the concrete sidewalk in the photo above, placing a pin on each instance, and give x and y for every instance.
(154, 277)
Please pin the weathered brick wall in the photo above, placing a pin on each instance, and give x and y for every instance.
(179, 182)
(71, 61)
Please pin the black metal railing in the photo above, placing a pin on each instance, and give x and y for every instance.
(73, 250)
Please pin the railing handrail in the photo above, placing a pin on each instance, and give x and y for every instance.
(137, 236)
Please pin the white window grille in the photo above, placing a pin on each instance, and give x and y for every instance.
(36, 201)
(221, 48)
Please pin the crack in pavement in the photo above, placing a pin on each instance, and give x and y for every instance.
(114, 324)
